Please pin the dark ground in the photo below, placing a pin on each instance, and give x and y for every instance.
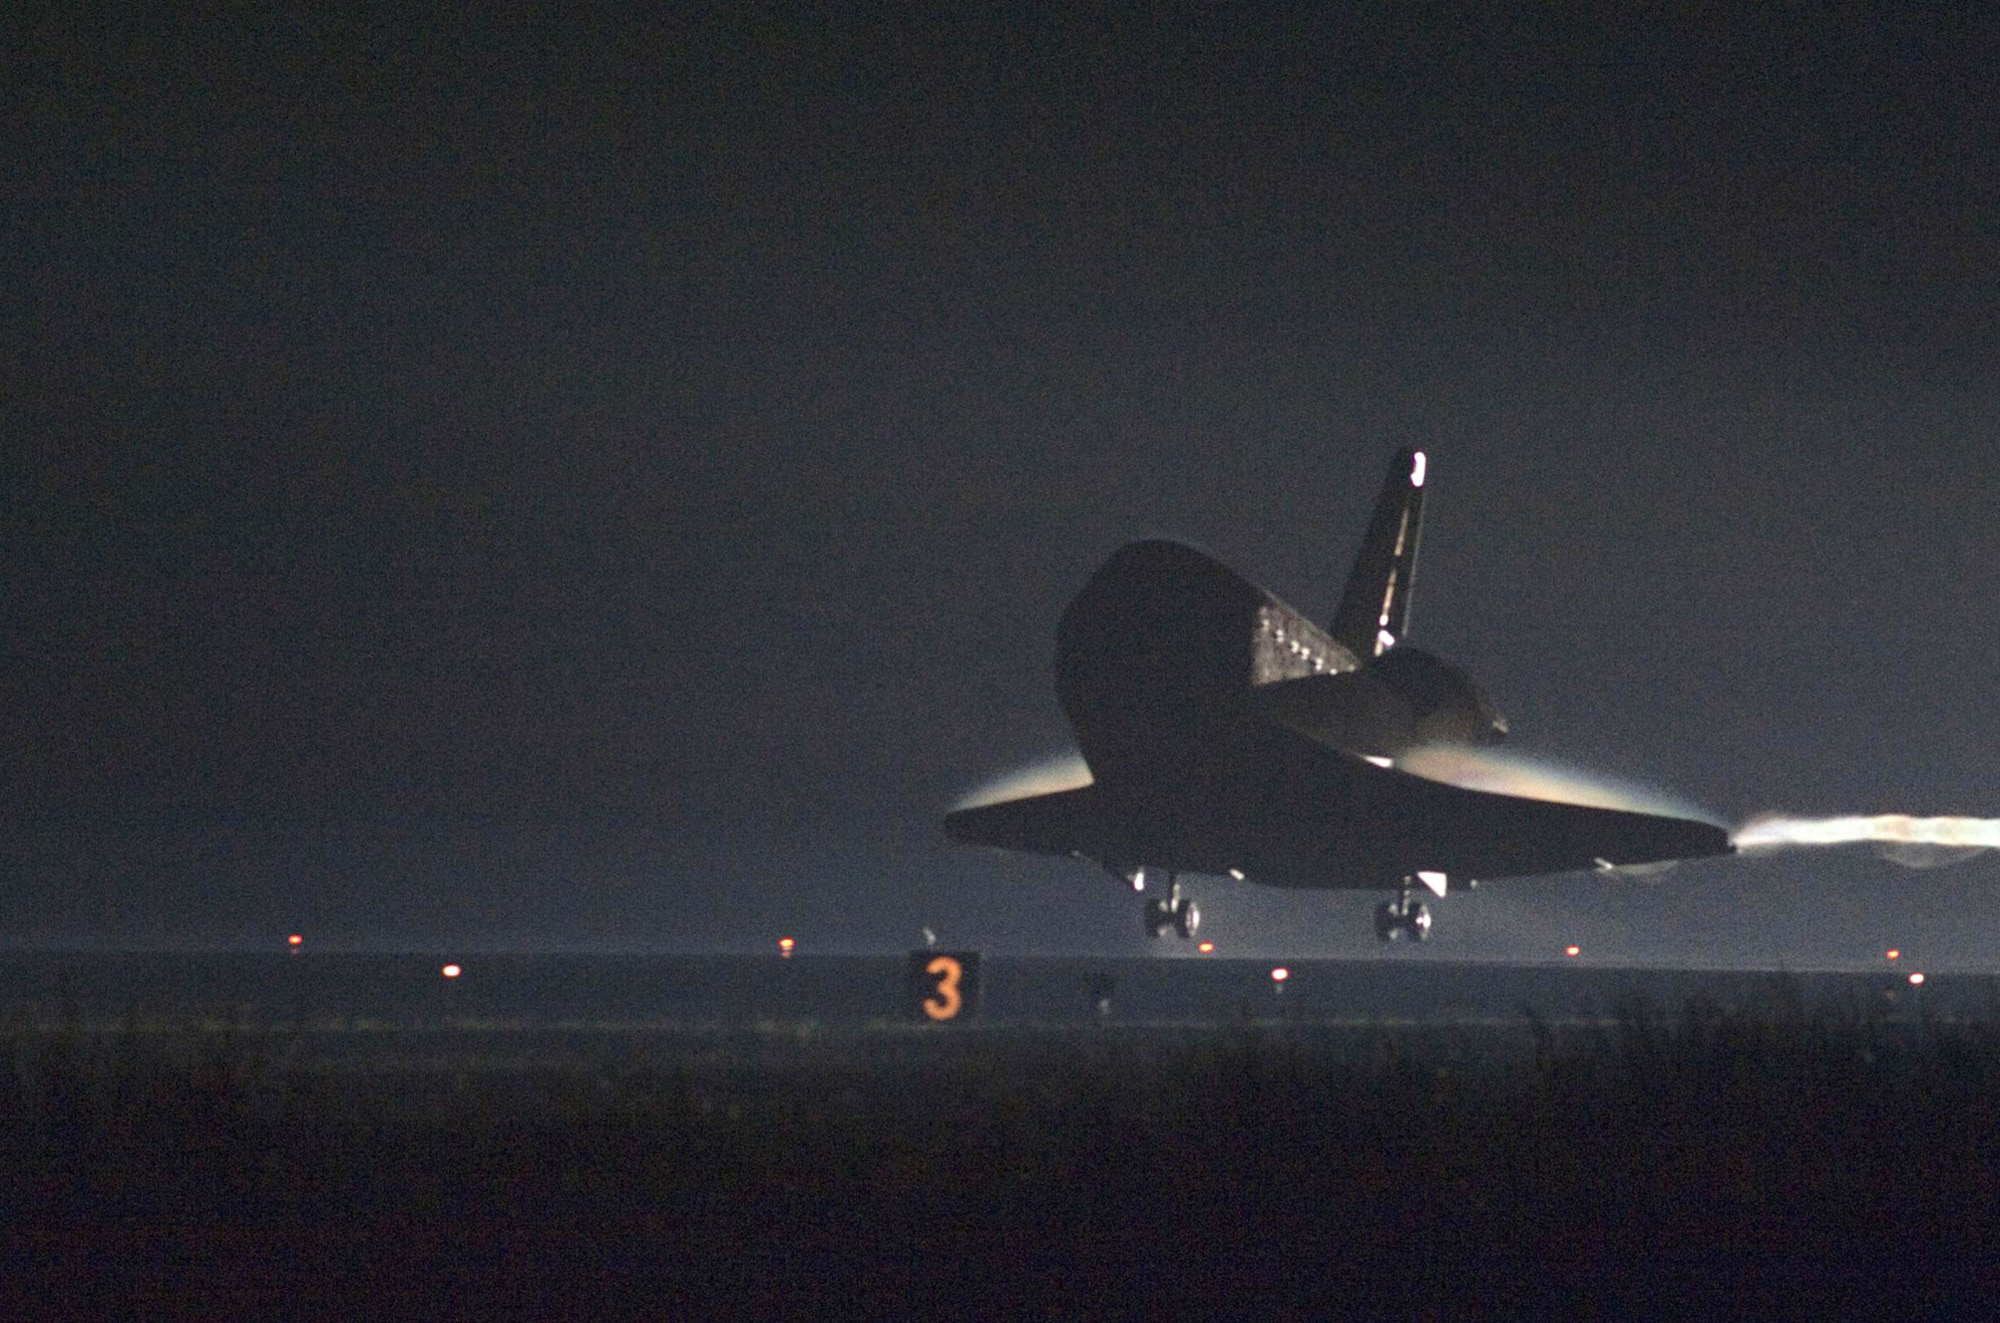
(1779, 1157)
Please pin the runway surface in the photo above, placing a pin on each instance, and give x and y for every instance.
(541, 991)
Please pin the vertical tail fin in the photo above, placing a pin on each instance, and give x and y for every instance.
(1375, 608)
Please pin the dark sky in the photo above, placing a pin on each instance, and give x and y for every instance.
(560, 479)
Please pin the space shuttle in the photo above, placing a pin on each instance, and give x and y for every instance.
(1227, 734)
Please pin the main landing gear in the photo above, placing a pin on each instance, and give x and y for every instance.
(1405, 914)
(1172, 910)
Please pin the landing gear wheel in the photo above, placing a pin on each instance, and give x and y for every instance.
(1405, 915)
(1172, 910)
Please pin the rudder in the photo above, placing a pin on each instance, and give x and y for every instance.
(1374, 610)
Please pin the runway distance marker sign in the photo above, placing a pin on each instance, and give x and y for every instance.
(943, 985)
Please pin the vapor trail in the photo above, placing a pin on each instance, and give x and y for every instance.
(1917, 842)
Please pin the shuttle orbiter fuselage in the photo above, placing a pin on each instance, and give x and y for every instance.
(1228, 734)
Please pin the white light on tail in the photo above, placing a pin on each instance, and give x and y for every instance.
(1417, 465)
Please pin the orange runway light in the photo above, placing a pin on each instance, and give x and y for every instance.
(1916, 979)
(1892, 954)
(785, 945)
(1280, 974)
(295, 940)
(1206, 947)
(1572, 951)
(451, 971)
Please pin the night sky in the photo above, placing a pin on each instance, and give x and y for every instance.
(560, 480)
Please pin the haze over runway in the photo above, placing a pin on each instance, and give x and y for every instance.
(564, 479)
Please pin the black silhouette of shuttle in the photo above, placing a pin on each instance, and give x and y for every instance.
(1227, 734)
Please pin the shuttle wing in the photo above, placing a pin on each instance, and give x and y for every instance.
(1067, 822)
(1290, 811)
(1357, 824)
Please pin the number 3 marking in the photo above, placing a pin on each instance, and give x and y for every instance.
(946, 1003)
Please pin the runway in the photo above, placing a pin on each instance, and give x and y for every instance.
(545, 992)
